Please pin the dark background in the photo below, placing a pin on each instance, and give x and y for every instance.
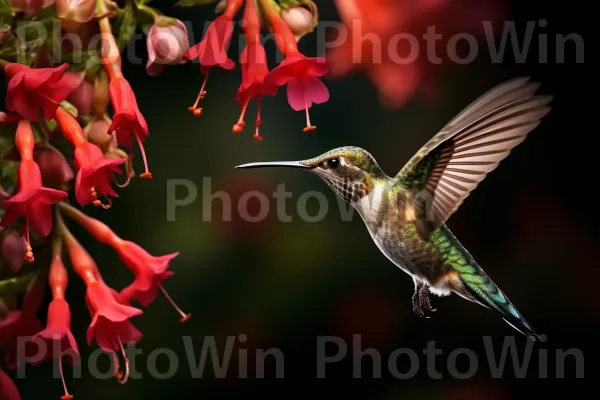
(532, 225)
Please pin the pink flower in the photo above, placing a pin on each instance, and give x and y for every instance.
(254, 69)
(128, 122)
(300, 73)
(31, 91)
(304, 88)
(32, 200)
(212, 49)
(95, 173)
(110, 325)
(167, 42)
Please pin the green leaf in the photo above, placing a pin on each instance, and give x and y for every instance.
(194, 3)
(126, 24)
(14, 286)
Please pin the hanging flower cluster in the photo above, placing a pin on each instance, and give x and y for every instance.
(57, 137)
(287, 20)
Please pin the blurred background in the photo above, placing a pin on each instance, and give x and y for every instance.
(532, 225)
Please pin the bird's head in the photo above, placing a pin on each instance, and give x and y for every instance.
(350, 171)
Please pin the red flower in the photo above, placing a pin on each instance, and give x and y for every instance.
(127, 121)
(212, 49)
(33, 90)
(95, 172)
(388, 66)
(32, 200)
(299, 72)
(57, 335)
(254, 69)
(149, 271)
(110, 326)
(8, 389)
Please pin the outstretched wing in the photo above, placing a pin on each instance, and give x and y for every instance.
(461, 155)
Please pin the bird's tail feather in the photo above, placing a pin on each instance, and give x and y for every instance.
(486, 292)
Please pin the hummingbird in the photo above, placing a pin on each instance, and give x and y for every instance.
(406, 214)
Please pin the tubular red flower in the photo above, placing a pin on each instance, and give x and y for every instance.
(31, 91)
(149, 271)
(57, 334)
(110, 326)
(8, 389)
(95, 173)
(212, 49)
(254, 69)
(32, 200)
(128, 121)
(300, 73)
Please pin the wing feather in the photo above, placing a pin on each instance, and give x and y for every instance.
(451, 165)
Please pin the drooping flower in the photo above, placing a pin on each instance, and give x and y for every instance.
(111, 326)
(167, 42)
(95, 173)
(254, 69)
(128, 122)
(391, 65)
(300, 73)
(32, 200)
(149, 271)
(57, 334)
(8, 389)
(212, 49)
(31, 91)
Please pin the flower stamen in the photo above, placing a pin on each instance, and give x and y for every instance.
(184, 316)
(194, 109)
(128, 170)
(147, 174)
(258, 122)
(122, 378)
(239, 126)
(309, 126)
(28, 250)
(66, 396)
(97, 202)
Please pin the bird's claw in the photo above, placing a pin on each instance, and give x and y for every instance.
(422, 304)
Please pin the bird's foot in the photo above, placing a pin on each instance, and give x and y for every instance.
(422, 304)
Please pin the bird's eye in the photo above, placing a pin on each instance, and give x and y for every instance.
(333, 163)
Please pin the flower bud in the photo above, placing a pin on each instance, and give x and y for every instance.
(29, 6)
(82, 94)
(101, 96)
(13, 251)
(300, 20)
(55, 169)
(167, 43)
(73, 13)
(97, 133)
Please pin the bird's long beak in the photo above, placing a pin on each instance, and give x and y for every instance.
(288, 164)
